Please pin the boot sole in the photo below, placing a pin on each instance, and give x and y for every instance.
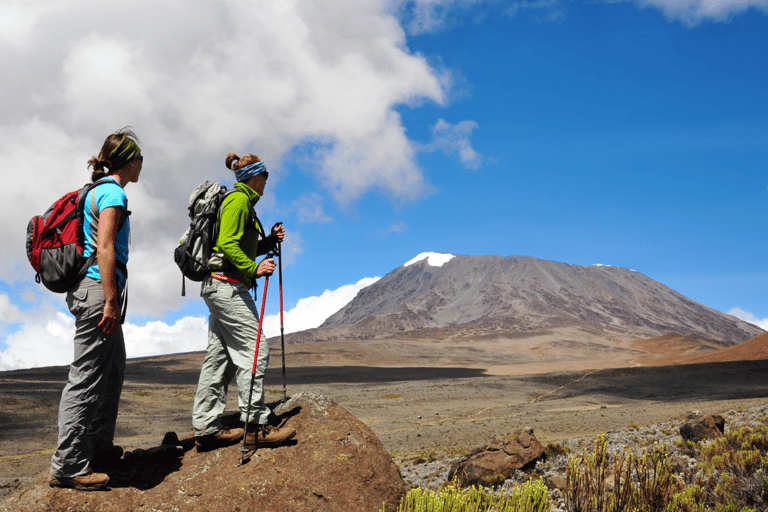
(71, 485)
(216, 444)
(270, 444)
(206, 448)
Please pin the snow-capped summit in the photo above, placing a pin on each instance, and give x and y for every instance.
(435, 259)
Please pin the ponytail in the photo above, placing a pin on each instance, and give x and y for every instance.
(231, 158)
(121, 147)
(234, 162)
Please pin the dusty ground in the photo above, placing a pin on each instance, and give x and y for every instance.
(415, 406)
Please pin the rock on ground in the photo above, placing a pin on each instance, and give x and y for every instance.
(497, 461)
(707, 427)
(335, 464)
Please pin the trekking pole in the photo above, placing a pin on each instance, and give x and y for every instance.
(255, 361)
(282, 333)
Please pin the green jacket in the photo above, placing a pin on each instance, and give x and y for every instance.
(238, 238)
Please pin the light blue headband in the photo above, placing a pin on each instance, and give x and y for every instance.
(248, 171)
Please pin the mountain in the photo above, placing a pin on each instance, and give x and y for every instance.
(516, 295)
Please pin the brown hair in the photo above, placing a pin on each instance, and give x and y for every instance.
(102, 165)
(234, 162)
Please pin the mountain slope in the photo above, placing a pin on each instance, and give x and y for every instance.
(523, 294)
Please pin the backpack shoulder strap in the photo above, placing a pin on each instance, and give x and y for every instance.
(253, 219)
(94, 209)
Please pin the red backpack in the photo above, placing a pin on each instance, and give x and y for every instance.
(56, 241)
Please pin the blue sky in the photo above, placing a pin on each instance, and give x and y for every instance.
(632, 134)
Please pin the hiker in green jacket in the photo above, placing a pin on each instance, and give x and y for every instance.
(233, 322)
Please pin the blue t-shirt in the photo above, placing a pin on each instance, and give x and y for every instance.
(106, 195)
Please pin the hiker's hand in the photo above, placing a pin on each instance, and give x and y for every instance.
(110, 321)
(266, 268)
(278, 230)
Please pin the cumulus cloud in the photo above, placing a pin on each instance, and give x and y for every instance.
(43, 341)
(196, 80)
(749, 317)
(694, 12)
(311, 312)
(45, 338)
(9, 313)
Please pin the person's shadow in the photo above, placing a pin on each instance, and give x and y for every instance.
(145, 469)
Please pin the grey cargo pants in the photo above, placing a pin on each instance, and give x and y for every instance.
(89, 402)
(232, 329)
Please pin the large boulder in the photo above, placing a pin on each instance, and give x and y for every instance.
(700, 428)
(495, 462)
(335, 464)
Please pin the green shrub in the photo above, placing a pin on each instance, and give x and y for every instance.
(531, 496)
(639, 482)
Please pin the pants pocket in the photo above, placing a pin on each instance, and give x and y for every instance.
(77, 300)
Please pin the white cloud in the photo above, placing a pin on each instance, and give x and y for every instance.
(429, 16)
(45, 339)
(384, 159)
(309, 209)
(694, 12)
(196, 80)
(8, 312)
(187, 334)
(311, 312)
(42, 341)
(454, 139)
(749, 317)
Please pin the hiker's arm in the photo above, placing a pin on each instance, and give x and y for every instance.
(234, 215)
(106, 257)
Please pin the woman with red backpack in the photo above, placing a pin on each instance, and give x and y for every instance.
(89, 401)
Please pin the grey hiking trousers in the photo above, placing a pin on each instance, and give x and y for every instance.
(232, 329)
(89, 402)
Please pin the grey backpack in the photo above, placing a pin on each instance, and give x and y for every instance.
(194, 255)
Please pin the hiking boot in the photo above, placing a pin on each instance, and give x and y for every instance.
(266, 436)
(223, 437)
(90, 482)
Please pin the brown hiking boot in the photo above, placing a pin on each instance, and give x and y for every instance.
(223, 437)
(266, 436)
(91, 482)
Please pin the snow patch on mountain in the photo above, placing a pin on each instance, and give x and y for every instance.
(434, 259)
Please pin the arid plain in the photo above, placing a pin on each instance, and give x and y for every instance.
(422, 397)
